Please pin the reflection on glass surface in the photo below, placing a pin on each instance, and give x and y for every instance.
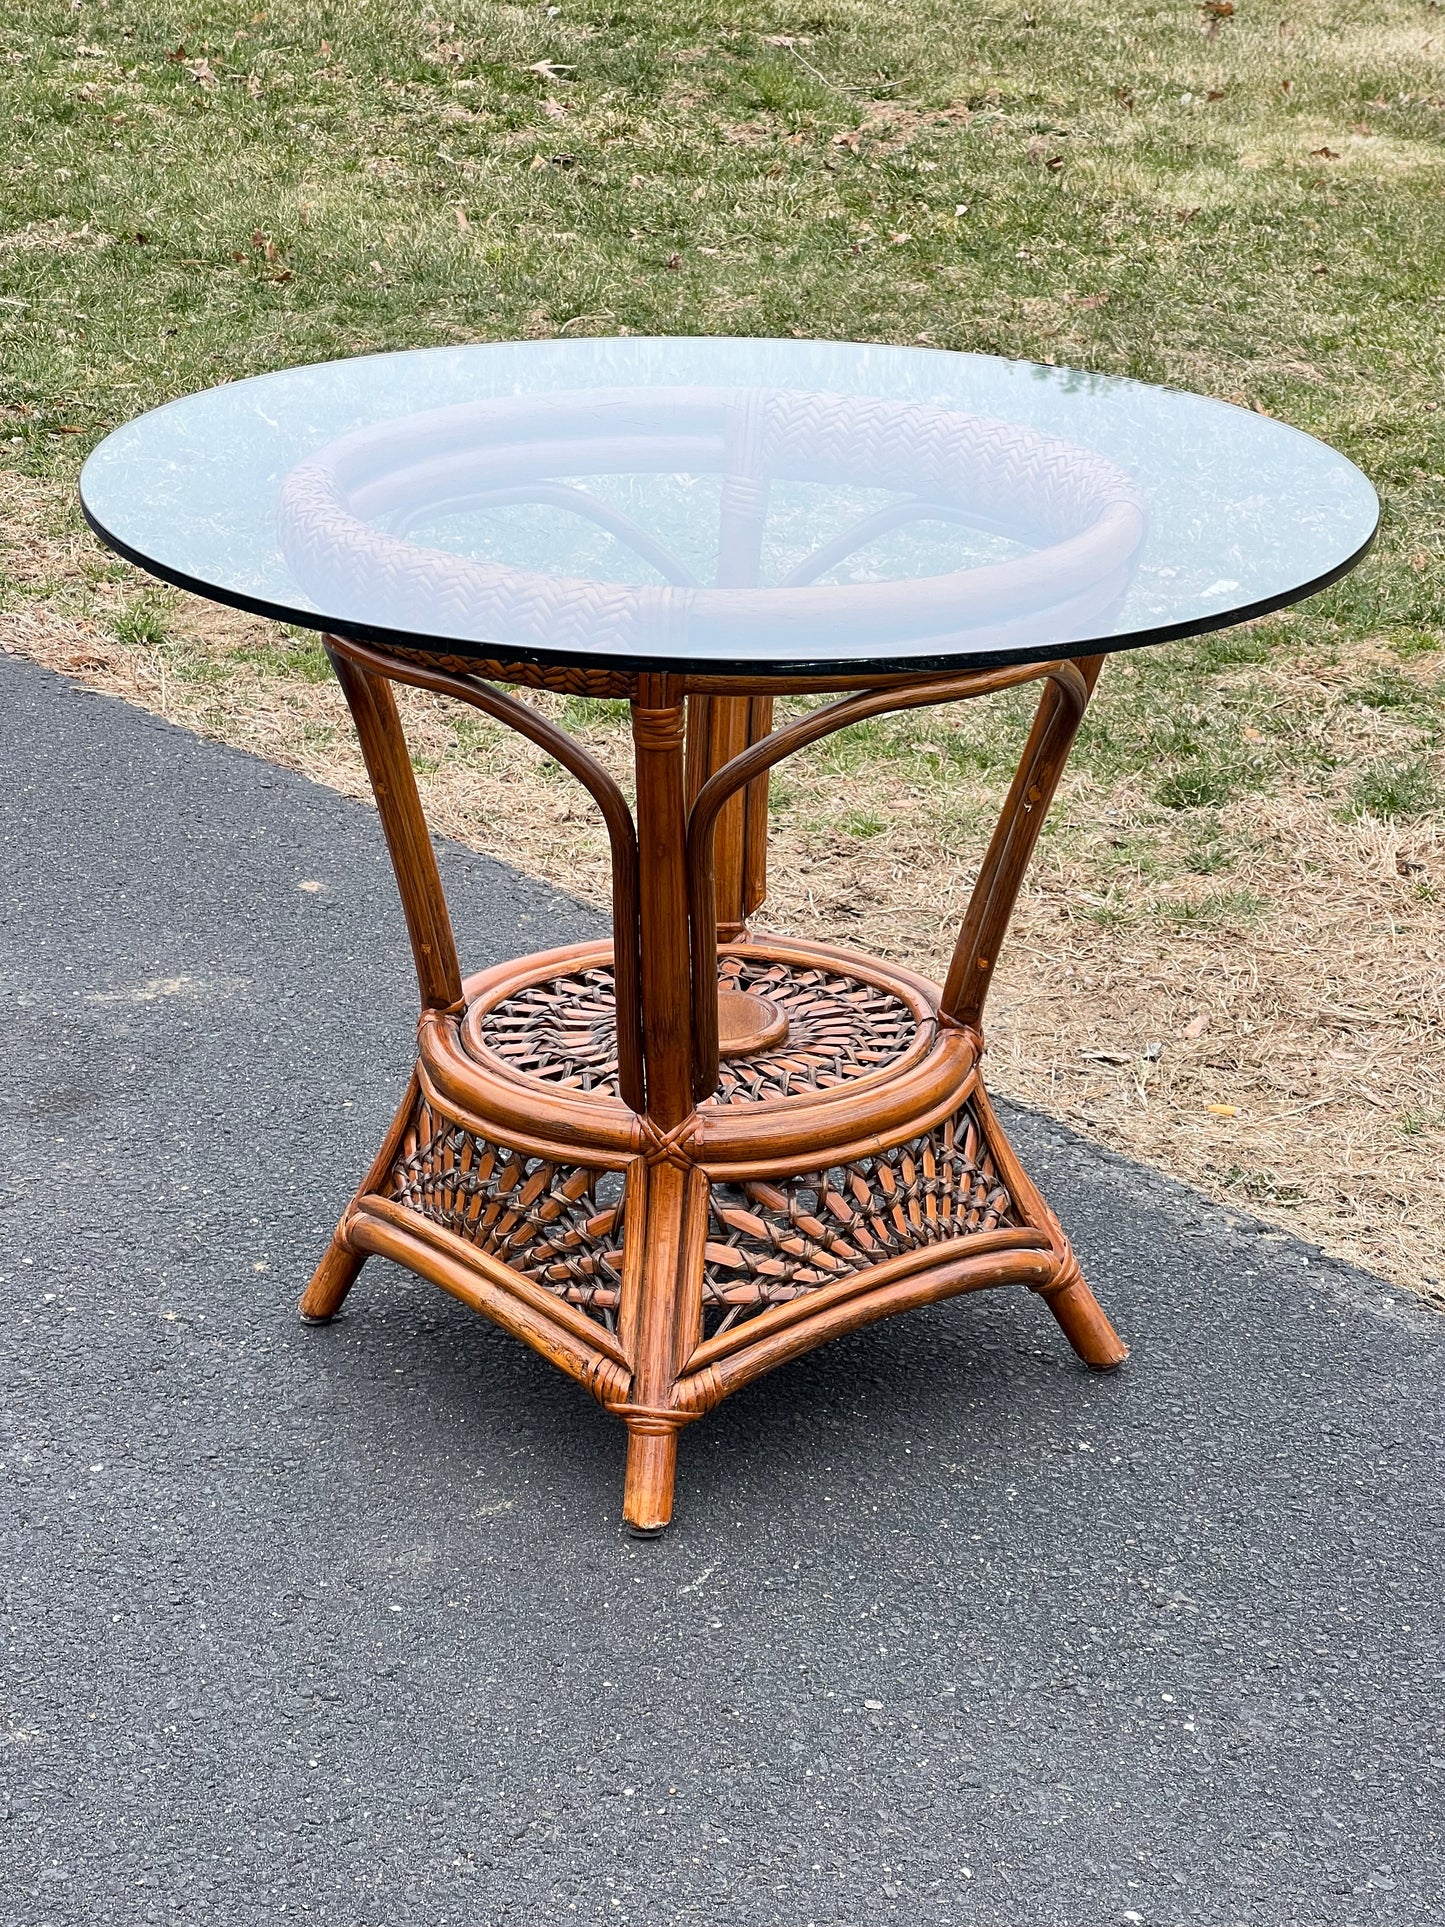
(771, 505)
(348, 519)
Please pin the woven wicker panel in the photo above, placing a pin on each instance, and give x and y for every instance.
(568, 681)
(840, 1028)
(770, 1241)
(558, 1224)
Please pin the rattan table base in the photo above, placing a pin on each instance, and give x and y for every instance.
(664, 1211)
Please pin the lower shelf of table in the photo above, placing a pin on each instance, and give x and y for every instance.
(664, 1270)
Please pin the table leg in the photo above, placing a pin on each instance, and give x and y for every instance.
(342, 1263)
(990, 910)
(719, 728)
(667, 996)
(372, 703)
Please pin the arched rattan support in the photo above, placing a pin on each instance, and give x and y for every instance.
(1066, 698)
(372, 703)
(995, 891)
(604, 791)
(870, 527)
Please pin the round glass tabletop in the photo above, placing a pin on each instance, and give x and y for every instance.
(731, 505)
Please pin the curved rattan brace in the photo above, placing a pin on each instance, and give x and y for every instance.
(1067, 698)
(604, 791)
(985, 922)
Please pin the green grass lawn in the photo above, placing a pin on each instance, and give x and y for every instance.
(1238, 201)
(1243, 199)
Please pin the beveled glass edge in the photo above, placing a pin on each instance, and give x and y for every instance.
(729, 669)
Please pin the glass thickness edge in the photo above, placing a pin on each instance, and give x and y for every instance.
(812, 668)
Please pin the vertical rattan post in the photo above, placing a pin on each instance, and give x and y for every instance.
(667, 1000)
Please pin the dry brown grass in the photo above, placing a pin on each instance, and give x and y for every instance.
(1265, 1025)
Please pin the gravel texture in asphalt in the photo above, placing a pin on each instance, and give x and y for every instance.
(340, 1623)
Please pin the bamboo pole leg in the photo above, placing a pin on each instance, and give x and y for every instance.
(1001, 874)
(1082, 1320)
(666, 1310)
(651, 1469)
(657, 733)
(331, 1280)
(667, 997)
(372, 702)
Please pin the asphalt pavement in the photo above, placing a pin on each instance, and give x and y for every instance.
(340, 1625)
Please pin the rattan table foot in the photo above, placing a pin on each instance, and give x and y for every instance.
(1083, 1322)
(330, 1282)
(647, 1487)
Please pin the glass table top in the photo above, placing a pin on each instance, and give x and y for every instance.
(764, 507)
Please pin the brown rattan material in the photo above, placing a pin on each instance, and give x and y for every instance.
(770, 1241)
(1078, 515)
(840, 1028)
(565, 680)
(559, 1224)
(668, 1223)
